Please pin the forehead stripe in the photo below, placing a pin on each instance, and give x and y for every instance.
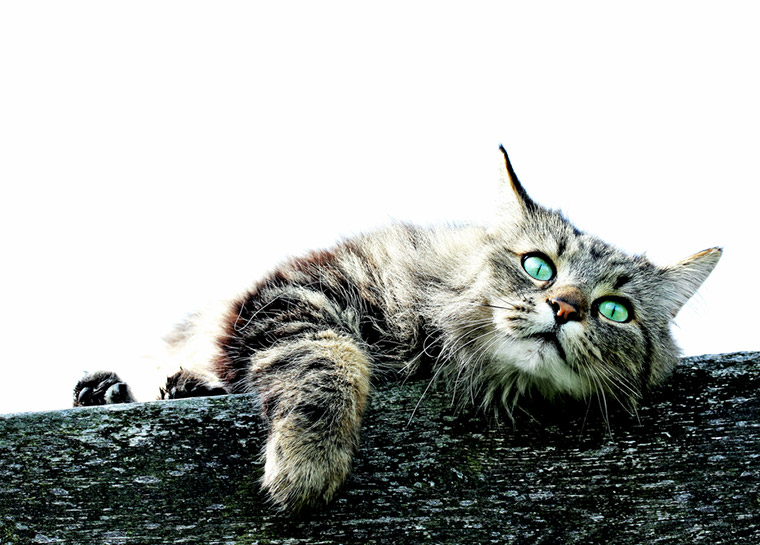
(561, 246)
(621, 281)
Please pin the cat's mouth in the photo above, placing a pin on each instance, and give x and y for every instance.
(550, 338)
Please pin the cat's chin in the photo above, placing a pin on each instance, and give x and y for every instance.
(540, 361)
(551, 340)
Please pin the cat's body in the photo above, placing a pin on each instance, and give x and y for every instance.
(529, 304)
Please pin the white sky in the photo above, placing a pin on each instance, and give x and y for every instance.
(154, 153)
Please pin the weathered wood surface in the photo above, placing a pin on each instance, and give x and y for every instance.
(686, 470)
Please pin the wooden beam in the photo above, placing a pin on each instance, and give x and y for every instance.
(686, 469)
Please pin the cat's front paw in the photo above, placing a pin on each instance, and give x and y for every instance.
(302, 470)
(101, 388)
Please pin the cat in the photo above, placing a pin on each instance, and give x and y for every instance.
(530, 304)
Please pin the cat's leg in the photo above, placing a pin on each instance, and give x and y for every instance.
(313, 392)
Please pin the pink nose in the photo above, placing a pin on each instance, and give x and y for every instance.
(564, 311)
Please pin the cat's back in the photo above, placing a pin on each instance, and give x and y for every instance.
(381, 277)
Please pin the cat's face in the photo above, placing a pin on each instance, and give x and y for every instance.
(573, 314)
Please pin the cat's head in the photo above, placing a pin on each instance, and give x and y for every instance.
(573, 314)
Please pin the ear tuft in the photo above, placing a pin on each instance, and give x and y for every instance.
(685, 277)
(508, 179)
(515, 200)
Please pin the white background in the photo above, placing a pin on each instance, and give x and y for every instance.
(152, 154)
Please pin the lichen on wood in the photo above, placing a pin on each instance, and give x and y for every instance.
(684, 469)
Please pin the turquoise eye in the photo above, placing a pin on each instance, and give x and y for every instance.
(538, 267)
(614, 310)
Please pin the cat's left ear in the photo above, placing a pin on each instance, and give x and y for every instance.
(515, 200)
(684, 278)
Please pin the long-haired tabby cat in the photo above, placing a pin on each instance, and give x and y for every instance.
(531, 303)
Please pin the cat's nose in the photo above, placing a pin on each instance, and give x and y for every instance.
(565, 310)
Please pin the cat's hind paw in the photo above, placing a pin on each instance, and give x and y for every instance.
(187, 384)
(101, 388)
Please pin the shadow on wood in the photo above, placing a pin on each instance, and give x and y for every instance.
(686, 469)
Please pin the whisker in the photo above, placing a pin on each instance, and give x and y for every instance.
(427, 388)
(476, 369)
(474, 363)
(496, 306)
(602, 397)
(590, 397)
(454, 346)
(619, 381)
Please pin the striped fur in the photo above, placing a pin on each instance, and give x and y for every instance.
(455, 303)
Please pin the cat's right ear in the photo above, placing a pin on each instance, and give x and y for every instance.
(683, 279)
(515, 202)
